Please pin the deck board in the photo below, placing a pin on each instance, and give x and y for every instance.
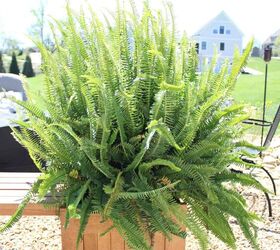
(18, 175)
(31, 210)
(13, 187)
(13, 193)
(17, 180)
(16, 184)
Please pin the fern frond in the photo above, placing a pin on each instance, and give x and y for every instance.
(146, 194)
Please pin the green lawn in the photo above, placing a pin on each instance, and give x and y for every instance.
(35, 85)
(249, 89)
(36, 82)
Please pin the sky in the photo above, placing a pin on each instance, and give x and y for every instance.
(255, 18)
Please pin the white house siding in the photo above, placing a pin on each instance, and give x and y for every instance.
(231, 41)
(36, 59)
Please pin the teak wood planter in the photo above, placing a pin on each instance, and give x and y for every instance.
(111, 241)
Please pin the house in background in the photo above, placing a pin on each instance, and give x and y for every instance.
(271, 41)
(220, 33)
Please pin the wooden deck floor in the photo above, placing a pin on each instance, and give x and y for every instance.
(13, 187)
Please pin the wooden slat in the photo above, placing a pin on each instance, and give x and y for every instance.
(6, 199)
(28, 180)
(19, 175)
(159, 241)
(14, 186)
(31, 210)
(69, 234)
(176, 243)
(16, 196)
(90, 241)
(104, 242)
(117, 242)
(10, 200)
(13, 193)
(95, 222)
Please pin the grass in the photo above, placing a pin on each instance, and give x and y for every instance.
(249, 89)
(35, 85)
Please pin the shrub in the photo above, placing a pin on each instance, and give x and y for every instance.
(27, 67)
(14, 65)
(20, 52)
(132, 132)
(2, 69)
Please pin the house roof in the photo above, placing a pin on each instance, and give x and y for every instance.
(221, 17)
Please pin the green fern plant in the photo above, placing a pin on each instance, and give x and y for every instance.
(131, 131)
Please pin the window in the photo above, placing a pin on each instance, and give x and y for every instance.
(222, 29)
(227, 32)
(222, 46)
(203, 45)
(215, 31)
(197, 48)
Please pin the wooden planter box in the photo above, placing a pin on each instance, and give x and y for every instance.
(111, 241)
(13, 187)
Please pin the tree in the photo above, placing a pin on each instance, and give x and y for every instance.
(14, 65)
(39, 25)
(2, 40)
(38, 29)
(256, 52)
(2, 69)
(10, 45)
(27, 67)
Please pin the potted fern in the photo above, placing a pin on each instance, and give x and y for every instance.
(130, 132)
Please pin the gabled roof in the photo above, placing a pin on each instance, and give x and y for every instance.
(221, 17)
